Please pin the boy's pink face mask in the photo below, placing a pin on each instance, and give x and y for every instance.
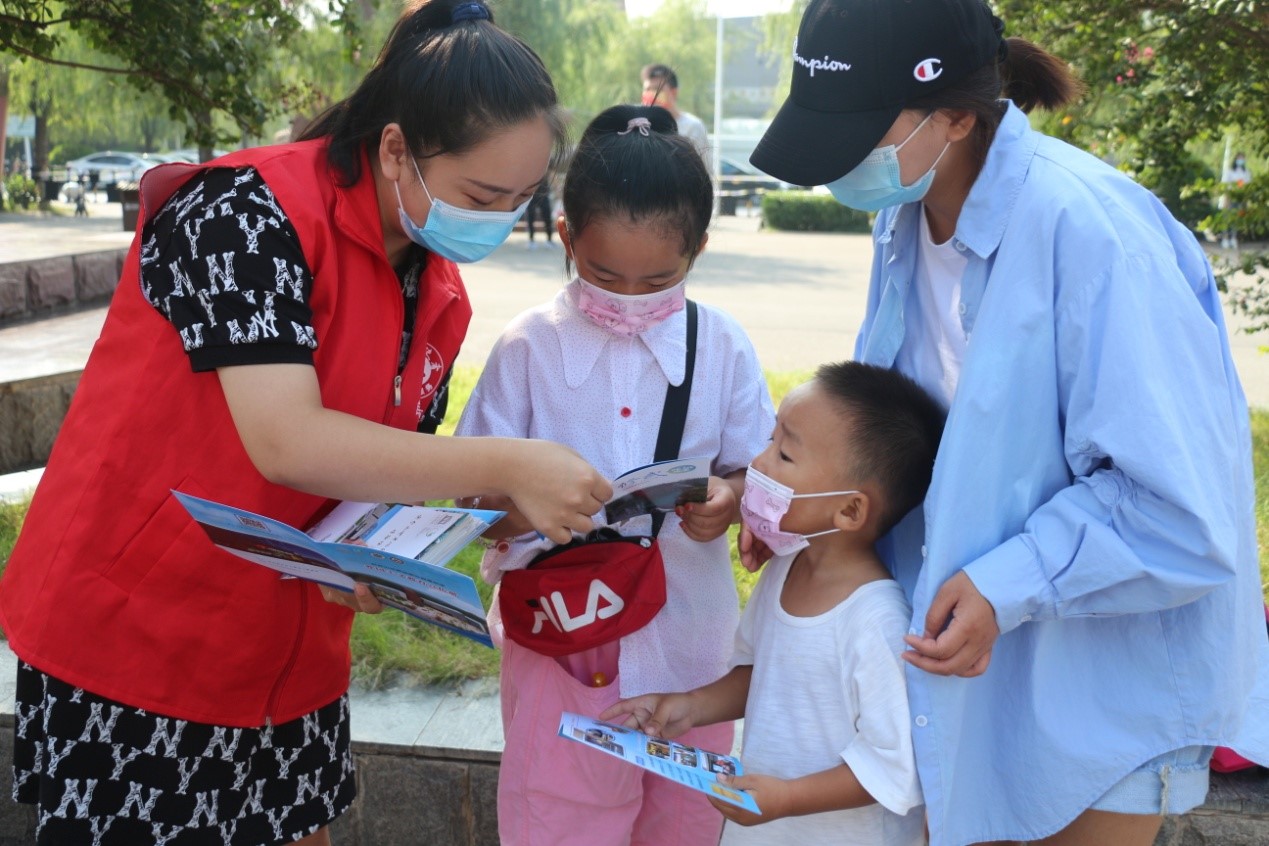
(763, 506)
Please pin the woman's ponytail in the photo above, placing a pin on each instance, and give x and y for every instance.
(1032, 77)
(449, 76)
(1026, 74)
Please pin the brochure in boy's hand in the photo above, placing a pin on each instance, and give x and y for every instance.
(398, 551)
(657, 487)
(688, 765)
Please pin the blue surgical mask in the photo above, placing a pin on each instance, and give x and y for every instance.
(461, 235)
(875, 183)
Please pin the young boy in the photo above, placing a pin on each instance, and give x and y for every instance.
(816, 673)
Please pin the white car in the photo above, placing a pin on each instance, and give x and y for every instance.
(110, 167)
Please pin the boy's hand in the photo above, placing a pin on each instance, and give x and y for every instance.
(753, 552)
(665, 715)
(772, 795)
(704, 521)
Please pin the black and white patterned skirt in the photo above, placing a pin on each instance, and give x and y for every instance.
(103, 773)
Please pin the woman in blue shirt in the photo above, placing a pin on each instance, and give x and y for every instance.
(1087, 604)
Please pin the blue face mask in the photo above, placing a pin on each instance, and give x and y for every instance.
(461, 235)
(875, 183)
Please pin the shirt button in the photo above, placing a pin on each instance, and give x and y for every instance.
(922, 550)
(960, 246)
(962, 308)
(921, 721)
(1025, 618)
(626, 412)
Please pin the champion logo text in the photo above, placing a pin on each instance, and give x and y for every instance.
(812, 64)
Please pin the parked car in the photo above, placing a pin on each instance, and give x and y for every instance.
(187, 154)
(741, 184)
(110, 167)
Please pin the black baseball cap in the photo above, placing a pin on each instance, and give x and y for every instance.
(856, 64)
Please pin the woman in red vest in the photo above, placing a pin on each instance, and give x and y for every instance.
(282, 335)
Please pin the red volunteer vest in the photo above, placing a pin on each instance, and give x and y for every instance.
(112, 587)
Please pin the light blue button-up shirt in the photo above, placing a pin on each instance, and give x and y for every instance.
(1094, 481)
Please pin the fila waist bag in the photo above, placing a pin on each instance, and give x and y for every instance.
(584, 594)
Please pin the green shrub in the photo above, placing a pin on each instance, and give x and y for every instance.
(21, 190)
(803, 211)
(1246, 212)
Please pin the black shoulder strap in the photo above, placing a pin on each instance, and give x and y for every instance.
(674, 413)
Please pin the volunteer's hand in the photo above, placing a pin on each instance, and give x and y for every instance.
(664, 715)
(704, 521)
(960, 632)
(555, 490)
(361, 599)
(753, 552)
(772, 794)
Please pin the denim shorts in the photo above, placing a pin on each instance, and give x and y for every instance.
(1172, 783)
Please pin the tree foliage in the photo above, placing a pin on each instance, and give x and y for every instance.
(594, 53)
(203, 57)
(1169, 80)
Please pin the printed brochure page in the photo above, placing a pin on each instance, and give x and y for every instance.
(688, 765)
(398, 551)
(657, 487)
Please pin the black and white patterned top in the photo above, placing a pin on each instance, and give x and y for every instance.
(223, 263)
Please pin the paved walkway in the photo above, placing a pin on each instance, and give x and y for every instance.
(800, 296)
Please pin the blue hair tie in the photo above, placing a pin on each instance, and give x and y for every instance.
(469, 12)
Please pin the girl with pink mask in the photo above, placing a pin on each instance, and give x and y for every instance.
(590, 370)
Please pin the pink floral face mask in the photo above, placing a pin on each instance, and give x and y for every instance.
(625, 314)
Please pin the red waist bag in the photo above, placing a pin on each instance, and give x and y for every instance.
(604, 586)
(584, 594)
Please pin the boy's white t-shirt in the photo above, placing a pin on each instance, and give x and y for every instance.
(553, 374)
(826, 690)
(934, 349)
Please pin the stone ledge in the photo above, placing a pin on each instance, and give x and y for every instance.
(31, 413)
(43, 287)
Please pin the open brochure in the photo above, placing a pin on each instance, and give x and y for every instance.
(398, 551)
(657, 487)
(688, 765)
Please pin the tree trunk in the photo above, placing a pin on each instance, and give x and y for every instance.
(4, 119)
(40, 169)
(203, 131)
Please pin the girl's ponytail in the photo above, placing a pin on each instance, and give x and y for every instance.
(617, 119)
(632, 164)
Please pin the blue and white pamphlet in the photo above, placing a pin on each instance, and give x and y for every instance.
(690, 766)
(398, 551)
(657, 487)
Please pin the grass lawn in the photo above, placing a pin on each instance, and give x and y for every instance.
(391, 648)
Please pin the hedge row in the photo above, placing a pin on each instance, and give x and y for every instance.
(804, 211)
